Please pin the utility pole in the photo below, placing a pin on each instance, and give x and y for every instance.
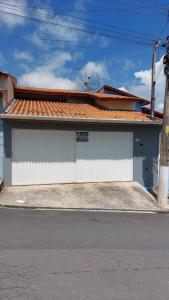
(153, 78)
(163, 183)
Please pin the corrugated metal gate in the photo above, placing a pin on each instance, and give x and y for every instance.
(52, 156)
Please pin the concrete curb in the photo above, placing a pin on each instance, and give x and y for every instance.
(83, 209)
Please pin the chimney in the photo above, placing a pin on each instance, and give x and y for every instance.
(7, 84)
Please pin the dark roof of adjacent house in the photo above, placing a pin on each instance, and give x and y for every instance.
(122, 92)
(157, 114)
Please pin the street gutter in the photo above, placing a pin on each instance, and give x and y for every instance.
(158, 211)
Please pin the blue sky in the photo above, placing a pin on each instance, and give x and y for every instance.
(39, 54)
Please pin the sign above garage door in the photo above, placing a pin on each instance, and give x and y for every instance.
(82, 136)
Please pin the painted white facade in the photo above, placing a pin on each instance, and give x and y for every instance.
(52, 156)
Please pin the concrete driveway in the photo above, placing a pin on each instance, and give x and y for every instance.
(116, 196)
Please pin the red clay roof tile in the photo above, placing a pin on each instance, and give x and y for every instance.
(51, 108)
(21, 90)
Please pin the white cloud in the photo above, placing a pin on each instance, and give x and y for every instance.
(53, 72)
(23, 56)
(128, 64)
(123, 89)
(96, 69)
(125, 64)
(47, 79)
(143, 87)
(80, 4)
(9, 7)
(56, 61)
(47, 35)
(63, 29)
(24, 67)
(50, 74)
(103, 41)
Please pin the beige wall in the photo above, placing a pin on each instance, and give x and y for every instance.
(7, 83)
(117, 104)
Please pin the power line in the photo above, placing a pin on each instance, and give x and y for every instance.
(117, 33)
(71, 19)
(108, 7)
(165, 26)
(134, 34)
(77, 29)
(53, 41)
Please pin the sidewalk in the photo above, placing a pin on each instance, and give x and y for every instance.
(127, 196)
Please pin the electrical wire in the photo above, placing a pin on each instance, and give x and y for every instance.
(165, 26)
(77, 28)
(116, 33)
(71, 19)
(108, 7)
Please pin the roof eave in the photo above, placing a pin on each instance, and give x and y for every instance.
(78, 120)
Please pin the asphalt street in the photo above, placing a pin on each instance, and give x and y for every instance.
(83, 255)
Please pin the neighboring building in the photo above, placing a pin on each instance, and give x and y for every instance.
(62, 136)
(7, 83)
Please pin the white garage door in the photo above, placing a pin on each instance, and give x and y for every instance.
(50, 156)
(106, 157)
(42, 157)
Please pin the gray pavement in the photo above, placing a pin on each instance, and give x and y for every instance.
(90, 255)
(114, 196)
